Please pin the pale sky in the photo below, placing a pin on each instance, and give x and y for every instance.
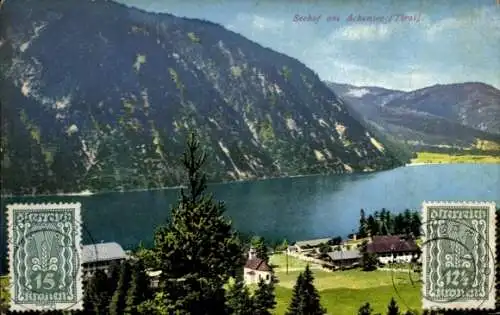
(453, 41)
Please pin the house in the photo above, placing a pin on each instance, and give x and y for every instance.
(154, 277)
(307, 246)
(343, 259)
(101, 256)
(256, 269)
(393, 248)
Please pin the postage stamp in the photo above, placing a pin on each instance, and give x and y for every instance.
(458, 255)
(44, 243)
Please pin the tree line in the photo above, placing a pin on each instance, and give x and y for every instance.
(384, 222)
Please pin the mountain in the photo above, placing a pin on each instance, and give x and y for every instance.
(96, 95)
(465, 115)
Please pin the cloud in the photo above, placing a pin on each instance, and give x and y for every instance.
(263, 23)
(359, 75)
(358, 92)
(363, 32)
(397, 55)
(447, 24)
(484, 21)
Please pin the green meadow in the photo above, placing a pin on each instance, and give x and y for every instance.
(343, 292)
(429, 157)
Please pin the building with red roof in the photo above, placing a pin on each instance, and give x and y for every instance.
(256, 269)
(393, 248)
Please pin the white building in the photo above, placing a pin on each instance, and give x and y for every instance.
(154, 277)
(100, 257)
(303, 247)
(393, 248)
(256, 269)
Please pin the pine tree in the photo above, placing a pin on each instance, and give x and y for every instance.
(415, 224)
(197, 250)
(113, 276)
(399, 224)
(297, 303)
(139, 289)
(238, 299)
(305, 298)
(362, 224)
(117, 304)
(368, 261)
(97, 294)
(372, 224)
(264, 298)
(407, 220)
(392, 308)
(259, 244)
(365, 309)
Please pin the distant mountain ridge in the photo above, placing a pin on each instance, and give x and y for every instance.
(462, 115)
(99, 96)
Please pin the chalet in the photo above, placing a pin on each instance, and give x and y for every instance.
(100, 257)
(307, 246)
(154, 277)
(344, 259)
(393, 248)
(256, 269)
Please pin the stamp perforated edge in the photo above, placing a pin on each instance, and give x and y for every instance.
(488, 304)
(78, 241)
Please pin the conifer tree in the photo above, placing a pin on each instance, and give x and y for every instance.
(197, 250)
(238, 299)
(297, 303)
(305, 298)
(372, 224)
(369, 261)
(408, 220)
(392, 308)
(117, 304)
(264, 298)
(365, 309)
(139, 289)
(97, 294)
(258, 243)
(362, 224)
(113, 276)
(415, 224)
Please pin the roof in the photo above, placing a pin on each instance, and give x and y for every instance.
(315, 242)
(391, 243)
(257, 264)
(344, 255)
(102, 252)
(153, 273)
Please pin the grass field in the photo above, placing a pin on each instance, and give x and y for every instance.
(428, 157)
(4, 293)
(343, 292)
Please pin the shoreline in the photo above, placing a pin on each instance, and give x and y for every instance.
(450, 162)
(435, 163)
(87, 193)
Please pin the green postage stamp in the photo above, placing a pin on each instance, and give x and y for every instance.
(44, 243)
(458, 255)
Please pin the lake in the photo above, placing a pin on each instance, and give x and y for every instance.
(295, 208)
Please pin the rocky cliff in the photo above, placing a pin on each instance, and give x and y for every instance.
(99, 96)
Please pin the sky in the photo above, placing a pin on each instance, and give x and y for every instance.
(437, 42)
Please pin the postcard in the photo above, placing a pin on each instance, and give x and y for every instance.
(249, 157)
